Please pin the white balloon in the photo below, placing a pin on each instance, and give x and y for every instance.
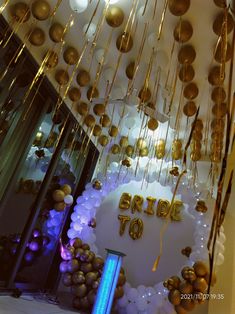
(141, 303)
(90, 32)
(162, 58)
(99, 54)
(68, 199)
(130, 123)
(132, 294)
(118, 92)
(78, 5)
(219, 259)
(108, 74)
(222, 237)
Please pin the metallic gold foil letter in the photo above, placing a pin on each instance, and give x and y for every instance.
(163, 207)
(151, 201)
(136, 228)
(125, 201)
(137, 203)
(176, 209)
(123, 221)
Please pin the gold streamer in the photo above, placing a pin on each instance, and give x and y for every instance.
(166, 223)
(3, 6)
(162, 19)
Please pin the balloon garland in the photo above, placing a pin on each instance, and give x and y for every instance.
(136, 300)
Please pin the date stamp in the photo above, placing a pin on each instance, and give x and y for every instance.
(202, 296)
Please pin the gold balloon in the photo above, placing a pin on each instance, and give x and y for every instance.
(176, 144)
(83, 78)
(99, 109)
(66, 189)
(123, 141)
(37, 36)
(105, 121)
(59, 207)
(197, 135)
(219, 110)
(183, 31)
(130, 70)
(200, 285)
(187, 54)
(219, 22)
(180, 310)
(190, 109)
(218, 95)
(141, 143)
(186, 73)
(97, 185)
(80, 290)
(58, 195)
(113, 131)
(217, 124)
(103, 140)
(56, 32)
(196, 146)
(152, 124)
(217, 136)
(144, 152)
(200, 269)
(97, 130)
(62, 77)
(98, 263)
(74, 94)
(219, 54)
(126, 162)
(71, 55)
(215, 157)
(41, 10)
(216, 76)
(82, 108)
(220, 3)
(144, 94)
(176, 155)
(20, 12)
(178, 7)
(188, 304)
(213, 281)
(114, 16)
(115, 149)
(92, 93)
(52, 59)
(174, 297)
(124, 42)
(185, 287)
(129, 150)
(195, 156)
(160, 149)
(89, 120)
(191, 91)
(198, 125)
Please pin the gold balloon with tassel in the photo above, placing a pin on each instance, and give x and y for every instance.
(89, 120)
(187, 54)
(41, 10)
(92, 92)
(183, 31)
(219, 54)
(56, 32)
(99, 109)
(216, 77)
(97, 130)
(124, 42)
(186, 73)
(74, 94)
(37, 36)
(71, 55)
(130, 70)
(20, 12)
(83, 78)
(218, 94)
(178, 7)
(114, 16)
(62, 77)
(219, 110)
(191, 91)
(82, 108)
(219, 22)
(190, 109)
(103, 140)
(105, 121)
(113, 131)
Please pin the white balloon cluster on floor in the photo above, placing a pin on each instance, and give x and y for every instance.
(144, 300)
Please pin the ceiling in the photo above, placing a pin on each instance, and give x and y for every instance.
(201, 15)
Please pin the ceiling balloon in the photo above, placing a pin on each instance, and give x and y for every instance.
(162, 58)
(216, 77)
(219, 22)
(187, 54)
(56, 32)
(130, 70)
(186, 73)
(74, 94)
(218, 94)
(114, 16)
(37, 36)
(78, 6)
(191, 91)
(124, 42)
(83, 78)
(71, 55)
(183, 31)
(178, 7)
(223, 54)
(41, 10)
(89, 30)
(20, 12)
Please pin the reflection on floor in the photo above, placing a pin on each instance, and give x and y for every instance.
(29, 305)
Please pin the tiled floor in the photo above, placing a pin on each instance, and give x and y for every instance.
(29, 305)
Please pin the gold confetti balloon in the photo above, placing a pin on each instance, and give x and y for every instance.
(41, 9)
(114, 16)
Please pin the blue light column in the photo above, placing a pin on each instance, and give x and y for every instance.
(108, 283)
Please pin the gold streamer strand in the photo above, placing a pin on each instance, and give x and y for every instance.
(162, 20)
(166, 223)
(3, 6)
(53, 13)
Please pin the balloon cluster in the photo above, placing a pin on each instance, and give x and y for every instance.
(62, 197)
(185, 293)
(82, 271)
(9, 244)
